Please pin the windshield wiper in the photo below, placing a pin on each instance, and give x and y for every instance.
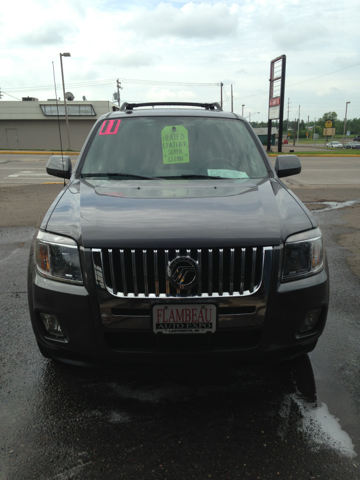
(192, 176)
(111, 174)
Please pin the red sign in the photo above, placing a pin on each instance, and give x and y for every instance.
(184, 318)
(274, 101)
(109, 127)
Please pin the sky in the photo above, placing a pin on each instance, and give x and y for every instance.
(181, 51)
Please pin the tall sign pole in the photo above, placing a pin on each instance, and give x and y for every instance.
(118, 86)
(276, 97)
(63, 83)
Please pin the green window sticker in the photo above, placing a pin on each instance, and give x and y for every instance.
(175, 145)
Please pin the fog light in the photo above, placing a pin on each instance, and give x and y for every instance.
(310, 320)
(51, 324)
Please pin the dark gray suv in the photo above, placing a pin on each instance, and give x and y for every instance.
(175, 239)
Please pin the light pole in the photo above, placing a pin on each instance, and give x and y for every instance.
(250, 116)
(298, 127)
(345, 121)
(242, 113)
(63, 84)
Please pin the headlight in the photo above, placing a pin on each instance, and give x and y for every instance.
(303, 256)
(58, 258)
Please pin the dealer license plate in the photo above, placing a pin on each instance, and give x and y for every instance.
(184, 318)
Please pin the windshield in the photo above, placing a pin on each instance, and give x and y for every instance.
(173, 147)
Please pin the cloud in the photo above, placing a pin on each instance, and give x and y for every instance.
(50, 33)
(133, 58)
(232, 41)
(191, 21)
(156, 94)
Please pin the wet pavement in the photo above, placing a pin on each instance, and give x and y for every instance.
(295, 420)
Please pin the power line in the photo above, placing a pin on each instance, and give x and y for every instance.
(308, 80)
(2, 91)
(169, 83)
(325, 74)
(111, 81)
(51, 87)
(93, 83)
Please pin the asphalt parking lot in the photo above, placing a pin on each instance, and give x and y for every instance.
(297, 420)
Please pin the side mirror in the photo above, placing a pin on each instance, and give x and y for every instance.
(59, 166)
(287, 165)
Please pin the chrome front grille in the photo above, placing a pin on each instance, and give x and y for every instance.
(142, 273)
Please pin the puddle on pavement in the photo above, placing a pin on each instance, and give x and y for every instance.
(320, 427)
(333, 205)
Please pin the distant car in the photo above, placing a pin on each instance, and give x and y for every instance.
(357, 138)
(285, 142)
(352, 145)
(334, 144)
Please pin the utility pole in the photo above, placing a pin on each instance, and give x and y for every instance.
(298, 127)
(294, 132)
(118, 85)
(232, 100)
(242, 112)
(314, 131)
(287, 128)
(63, 84)
(308, 129)
(345, 121)
(221, 94)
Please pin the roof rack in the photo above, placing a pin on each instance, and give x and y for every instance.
(207, 106)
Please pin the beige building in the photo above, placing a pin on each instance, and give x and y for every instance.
(34, 124)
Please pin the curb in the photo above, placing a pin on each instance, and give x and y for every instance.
(314, 155)
(34, 152)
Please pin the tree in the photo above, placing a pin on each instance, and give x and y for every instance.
(329, 116)
(353, 125)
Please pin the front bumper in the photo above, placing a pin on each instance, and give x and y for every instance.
(97, 326)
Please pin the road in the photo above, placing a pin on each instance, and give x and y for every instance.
(30, 169)
(297, 420)
(19, 169)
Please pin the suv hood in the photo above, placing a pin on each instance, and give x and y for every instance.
(194, 213)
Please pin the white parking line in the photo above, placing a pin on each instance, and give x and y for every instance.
(9, 167)
(28, 174)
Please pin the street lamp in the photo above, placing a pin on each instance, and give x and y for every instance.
(345, 121)
(251, 114)
(63, 84)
